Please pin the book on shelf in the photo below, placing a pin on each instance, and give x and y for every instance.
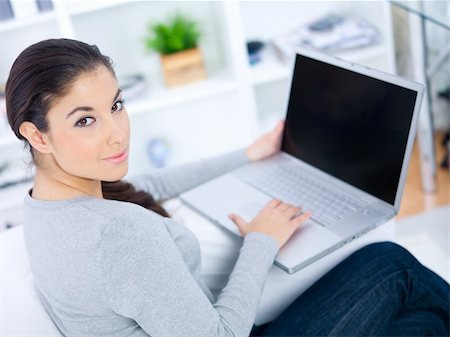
(6, 11)
(44, 5)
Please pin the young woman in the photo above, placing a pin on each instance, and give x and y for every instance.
(107, 260)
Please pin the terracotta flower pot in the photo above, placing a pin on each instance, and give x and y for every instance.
(183, 67)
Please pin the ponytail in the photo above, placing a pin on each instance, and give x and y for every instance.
(124, 191)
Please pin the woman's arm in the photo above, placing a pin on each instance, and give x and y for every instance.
(146, 279)
(169, 182)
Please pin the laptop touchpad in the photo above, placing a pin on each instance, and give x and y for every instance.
(224, 195)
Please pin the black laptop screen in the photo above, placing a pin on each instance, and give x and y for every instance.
(349, 125)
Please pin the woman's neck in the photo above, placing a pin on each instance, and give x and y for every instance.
(61, 186)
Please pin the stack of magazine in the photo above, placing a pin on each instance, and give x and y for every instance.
(330, 33)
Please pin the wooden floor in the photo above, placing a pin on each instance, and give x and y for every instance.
(415, 200)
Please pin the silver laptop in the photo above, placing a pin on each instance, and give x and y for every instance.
(348, 136)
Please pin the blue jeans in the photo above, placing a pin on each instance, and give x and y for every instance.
(380, 290)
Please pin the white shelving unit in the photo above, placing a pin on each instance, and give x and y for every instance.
(237, 101)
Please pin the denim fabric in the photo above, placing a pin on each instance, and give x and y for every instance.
(380, 290)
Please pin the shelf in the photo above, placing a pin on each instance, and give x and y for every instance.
(271, 69)
(11, 24)
(159, 98)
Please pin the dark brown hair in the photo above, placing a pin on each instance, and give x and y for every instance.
(45, 71)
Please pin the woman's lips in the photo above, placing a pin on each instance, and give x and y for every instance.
(118, 158)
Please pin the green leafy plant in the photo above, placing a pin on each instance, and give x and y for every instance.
(179, 33)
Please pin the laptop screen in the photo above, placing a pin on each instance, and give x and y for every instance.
(349, 125)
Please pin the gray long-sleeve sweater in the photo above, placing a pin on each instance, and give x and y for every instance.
(110, 268)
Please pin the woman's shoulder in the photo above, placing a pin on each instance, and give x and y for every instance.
(121, 211)
(123, 216)
(100, 217)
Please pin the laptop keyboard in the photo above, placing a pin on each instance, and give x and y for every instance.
(327, 205)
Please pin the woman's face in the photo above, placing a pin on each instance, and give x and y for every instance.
(89, 129)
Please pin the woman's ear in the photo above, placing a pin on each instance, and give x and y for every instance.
(35, 137)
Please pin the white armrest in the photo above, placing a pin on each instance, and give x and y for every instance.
(21, 311)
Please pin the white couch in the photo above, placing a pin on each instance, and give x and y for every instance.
(22, 314)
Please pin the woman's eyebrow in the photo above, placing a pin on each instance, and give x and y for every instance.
(89, 108)
(79, 108)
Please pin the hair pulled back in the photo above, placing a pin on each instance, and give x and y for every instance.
(44, 72)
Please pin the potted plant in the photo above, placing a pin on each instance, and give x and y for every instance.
(177, 43)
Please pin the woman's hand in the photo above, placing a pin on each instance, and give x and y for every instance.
(277, 219)
(267, 144)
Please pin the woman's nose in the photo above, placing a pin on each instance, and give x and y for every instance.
(117, 130)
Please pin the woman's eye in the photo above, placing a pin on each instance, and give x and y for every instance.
(118, 106)
(84, 122)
